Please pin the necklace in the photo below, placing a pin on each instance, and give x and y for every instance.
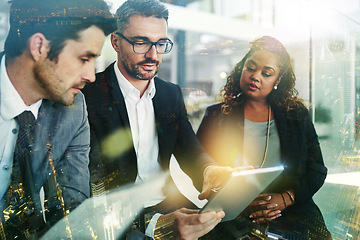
(267, 138)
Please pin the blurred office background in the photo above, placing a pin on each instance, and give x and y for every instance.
(323, 39)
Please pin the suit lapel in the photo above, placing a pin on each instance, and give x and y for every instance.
(46, 126)
(42, 160)
(164, 107)
(160, 104)
(122, 122)
(48, 118)
(117, 95)
(118, 100)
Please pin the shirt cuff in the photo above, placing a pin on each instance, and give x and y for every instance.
(150, 230)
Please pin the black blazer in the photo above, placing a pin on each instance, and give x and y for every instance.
(111, 140)
(305, 172)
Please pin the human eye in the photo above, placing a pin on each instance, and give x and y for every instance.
(84, 59)
(161, 46)
(141, 43)
(266, 74)
(250, 68)
(161, 43)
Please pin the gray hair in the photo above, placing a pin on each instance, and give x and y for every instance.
(146, 8)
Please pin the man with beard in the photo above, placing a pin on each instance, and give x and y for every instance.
(49, 56)
(138, 121)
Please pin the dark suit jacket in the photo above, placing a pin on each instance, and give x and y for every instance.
(222, 137)
(110, 129)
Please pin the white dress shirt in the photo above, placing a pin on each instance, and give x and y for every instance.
(143, 129)
(11, 105)
(145, 139)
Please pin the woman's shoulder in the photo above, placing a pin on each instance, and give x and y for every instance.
(296, 111)
(213, 112)
(215, 107)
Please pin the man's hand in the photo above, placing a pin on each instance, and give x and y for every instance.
(215, 177)
(187, 224)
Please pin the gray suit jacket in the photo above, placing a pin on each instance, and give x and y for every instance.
(60, 156)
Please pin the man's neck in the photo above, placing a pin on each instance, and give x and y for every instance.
(140, 85)
(20, 75)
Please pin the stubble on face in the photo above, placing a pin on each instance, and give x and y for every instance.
(141, 66)
(52, 85)
(135, 71)
(62, 79)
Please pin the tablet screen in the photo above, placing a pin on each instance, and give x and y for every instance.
(240, 190)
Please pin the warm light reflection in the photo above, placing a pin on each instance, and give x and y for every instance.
(122, 136)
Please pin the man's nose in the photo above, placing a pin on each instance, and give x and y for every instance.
(152, 53)
(89, 73)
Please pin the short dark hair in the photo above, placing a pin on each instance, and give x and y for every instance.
(146, 8)
(58, 20)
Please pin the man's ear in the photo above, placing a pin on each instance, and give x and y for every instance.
(38, 46)
(115, 41)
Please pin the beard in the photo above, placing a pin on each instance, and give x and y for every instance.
(134, 70)
(51, 84)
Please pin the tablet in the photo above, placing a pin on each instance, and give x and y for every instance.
(240, 190)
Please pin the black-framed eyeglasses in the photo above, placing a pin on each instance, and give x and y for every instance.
(142, 47)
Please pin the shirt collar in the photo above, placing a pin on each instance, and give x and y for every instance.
(11, 104)
(126, 87)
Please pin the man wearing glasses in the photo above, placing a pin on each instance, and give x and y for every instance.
(138, 120)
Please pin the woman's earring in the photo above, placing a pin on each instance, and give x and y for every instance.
(275, 87)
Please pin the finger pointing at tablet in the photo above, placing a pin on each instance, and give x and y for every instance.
(214, 178)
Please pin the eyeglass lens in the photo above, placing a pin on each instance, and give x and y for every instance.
(161, 46)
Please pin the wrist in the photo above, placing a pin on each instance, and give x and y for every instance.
(209, 168)
(290, 196)
(284, 201)
(204, 172)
